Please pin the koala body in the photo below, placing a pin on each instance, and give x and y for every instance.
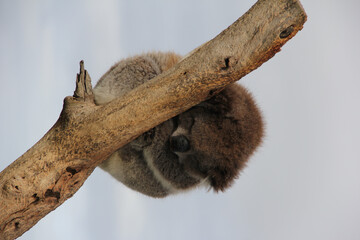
(206, 145)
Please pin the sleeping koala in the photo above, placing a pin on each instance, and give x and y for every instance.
(206, 145)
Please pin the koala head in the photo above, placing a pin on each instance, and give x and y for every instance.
(208, 144)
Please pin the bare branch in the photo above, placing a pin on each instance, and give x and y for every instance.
(83, 84)
(85, 134)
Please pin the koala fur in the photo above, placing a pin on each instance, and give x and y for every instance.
(208, 144)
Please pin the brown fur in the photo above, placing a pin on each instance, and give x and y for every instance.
(231, 124)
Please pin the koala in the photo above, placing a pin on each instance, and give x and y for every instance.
(206, 145)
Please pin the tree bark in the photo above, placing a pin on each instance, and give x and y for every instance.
(85, 134)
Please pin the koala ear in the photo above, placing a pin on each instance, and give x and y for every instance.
(239, 133)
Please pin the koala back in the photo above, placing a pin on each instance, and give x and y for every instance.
(129, 73)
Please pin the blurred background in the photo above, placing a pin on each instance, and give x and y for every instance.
(304, 181)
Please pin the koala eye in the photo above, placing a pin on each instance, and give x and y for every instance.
(179, 144)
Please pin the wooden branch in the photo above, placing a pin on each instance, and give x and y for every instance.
(85, 134)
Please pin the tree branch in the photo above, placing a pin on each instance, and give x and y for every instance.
(85, 134)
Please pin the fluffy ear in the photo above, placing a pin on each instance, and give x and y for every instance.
(237, 134)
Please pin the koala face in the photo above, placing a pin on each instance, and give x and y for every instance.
(210, 143)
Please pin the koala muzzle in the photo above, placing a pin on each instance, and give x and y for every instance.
(179, 144)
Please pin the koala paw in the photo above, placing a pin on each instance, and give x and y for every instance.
(144, 140)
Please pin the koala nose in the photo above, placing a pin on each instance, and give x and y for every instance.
(179, 144)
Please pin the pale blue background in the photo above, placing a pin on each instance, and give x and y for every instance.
(304, 182)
